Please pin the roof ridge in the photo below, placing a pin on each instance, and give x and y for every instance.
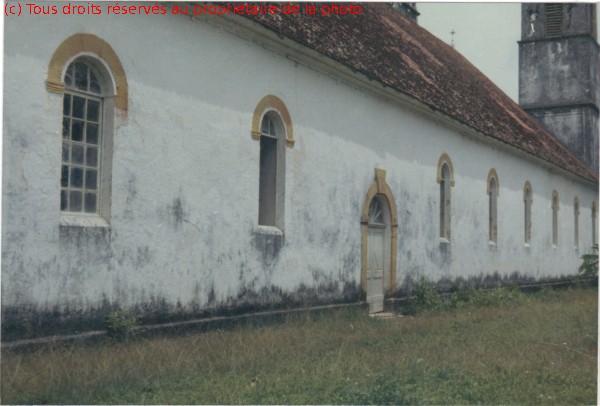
(413, 61)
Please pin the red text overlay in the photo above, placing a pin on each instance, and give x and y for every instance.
(194, 10)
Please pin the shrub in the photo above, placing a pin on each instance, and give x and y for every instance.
(491, 297)
(589, 267)
(425, 297)
(121, 325)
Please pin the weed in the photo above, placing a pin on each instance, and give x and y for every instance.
(425, 297)
(121, 325)
(589, 267)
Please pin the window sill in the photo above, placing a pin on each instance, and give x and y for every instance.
(91, 221)
(268, 230)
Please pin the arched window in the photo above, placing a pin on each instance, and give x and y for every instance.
(528, 199)
(594, 236)
(272, 127)
(86, 71)
(576, 222)
(272, 171)
(445, 177)
(555, 218)
(376, 211)
(82, 138)
(493, 205)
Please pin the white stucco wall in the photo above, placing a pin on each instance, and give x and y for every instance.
(184, 205)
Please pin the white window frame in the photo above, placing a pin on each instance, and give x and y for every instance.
(101, 216)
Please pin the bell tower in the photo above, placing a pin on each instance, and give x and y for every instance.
(559, 74)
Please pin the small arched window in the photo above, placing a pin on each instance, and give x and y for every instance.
(82, 138)
(528, 199)
(376, 211)
(555, 218)
(445, 177)
(493, 205)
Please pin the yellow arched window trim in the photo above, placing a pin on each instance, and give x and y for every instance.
(493, 174)
(269, 103)
(444, 158)
(82, 43)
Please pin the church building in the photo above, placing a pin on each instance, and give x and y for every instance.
(184, 163)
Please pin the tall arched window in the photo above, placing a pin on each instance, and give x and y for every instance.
(272, 127)
(81, 138)
(594, 236)
(528, 199)
(445, 177)
(272, 171)
(493, 205)
(576, 222)
(87, 73)
(555, 218)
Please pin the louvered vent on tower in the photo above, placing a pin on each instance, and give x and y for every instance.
(554, 20)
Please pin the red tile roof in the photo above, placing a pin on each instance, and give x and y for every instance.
(385, 46)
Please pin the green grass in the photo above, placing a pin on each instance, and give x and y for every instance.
(539, 349)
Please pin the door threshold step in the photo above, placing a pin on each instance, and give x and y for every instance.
(385, 315)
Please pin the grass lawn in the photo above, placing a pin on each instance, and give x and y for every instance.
(539, 349)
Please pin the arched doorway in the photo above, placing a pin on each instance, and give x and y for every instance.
(379, 234)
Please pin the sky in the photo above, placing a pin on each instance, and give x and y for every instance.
(486, 34)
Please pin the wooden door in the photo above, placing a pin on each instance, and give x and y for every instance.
(375, 267)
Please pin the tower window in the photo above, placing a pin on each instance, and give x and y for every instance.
(554, 20)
